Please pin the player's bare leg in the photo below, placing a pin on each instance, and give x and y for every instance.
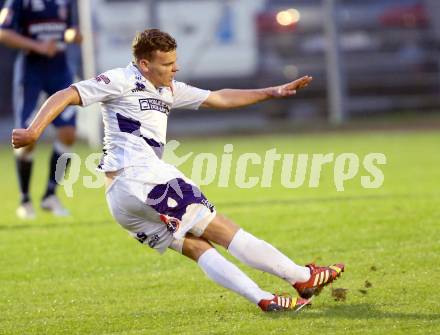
(307, 280)
(221, 231)
(231, 277)
(65, 139)
(194, 247)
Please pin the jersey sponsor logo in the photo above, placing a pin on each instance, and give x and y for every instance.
(154, 104)
(47, 27)
(102, 78)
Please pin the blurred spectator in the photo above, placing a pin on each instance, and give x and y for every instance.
(40, 30)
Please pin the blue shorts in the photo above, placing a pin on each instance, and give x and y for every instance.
(27, 89)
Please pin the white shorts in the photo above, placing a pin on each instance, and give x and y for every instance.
(136, 199)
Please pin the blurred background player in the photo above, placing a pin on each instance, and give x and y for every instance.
(40, 29)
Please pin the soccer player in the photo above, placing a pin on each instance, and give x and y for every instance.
(154, 201)
(40, 29)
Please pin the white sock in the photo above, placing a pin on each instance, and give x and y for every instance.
(231, 277)
(263, 256)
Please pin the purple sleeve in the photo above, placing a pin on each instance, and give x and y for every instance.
(10, 15)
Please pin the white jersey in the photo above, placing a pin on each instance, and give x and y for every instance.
(135, 114)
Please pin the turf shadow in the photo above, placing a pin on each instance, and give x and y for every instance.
(356, 312)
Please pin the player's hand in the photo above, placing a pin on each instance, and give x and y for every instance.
(47, 48)
(23, 138)
(290, 89)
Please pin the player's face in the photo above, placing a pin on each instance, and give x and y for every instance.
(161, 68)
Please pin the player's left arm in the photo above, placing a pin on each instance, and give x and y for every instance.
(232, 98)
(53, 107)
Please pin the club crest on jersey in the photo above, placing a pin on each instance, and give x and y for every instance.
(155, 105)
(172, 224)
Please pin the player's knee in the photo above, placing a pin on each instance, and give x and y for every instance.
(194, 247)
(221, 230)
(67, 136)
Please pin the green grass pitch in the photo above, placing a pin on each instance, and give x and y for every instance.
(85, 275)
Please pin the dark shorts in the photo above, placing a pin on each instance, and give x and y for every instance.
(27, 89)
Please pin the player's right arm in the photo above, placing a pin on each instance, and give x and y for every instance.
(11, 26)
(12, 39)
(104, 87)
(47, 113)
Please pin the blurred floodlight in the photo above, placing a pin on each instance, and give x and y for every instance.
(288, 17)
